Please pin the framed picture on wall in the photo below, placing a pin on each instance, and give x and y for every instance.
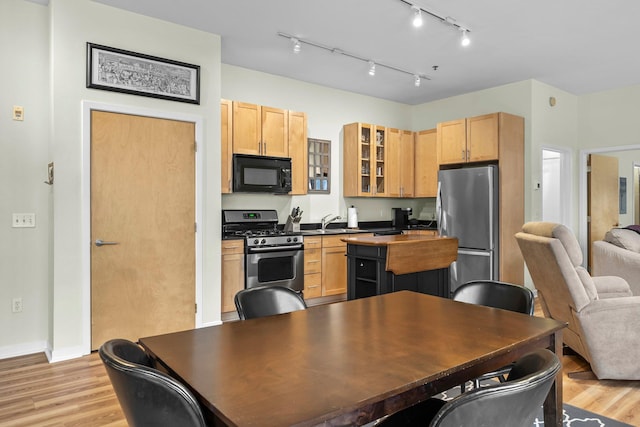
(123, 71)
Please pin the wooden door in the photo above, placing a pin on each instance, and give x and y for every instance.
(393, 163)
(142, 198)
(482, 138)
(226, 144)
(247, 129)
(602, 198)
(275, 132)
(407, 154)
(426, 163)
(452, 141)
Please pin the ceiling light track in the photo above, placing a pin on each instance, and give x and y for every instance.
(417, 12)
(371, 64)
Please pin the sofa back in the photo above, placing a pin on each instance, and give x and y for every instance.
(623, 238)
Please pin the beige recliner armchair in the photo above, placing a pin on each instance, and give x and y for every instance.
(603, 316)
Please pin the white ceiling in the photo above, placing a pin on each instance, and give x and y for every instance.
(580, 46)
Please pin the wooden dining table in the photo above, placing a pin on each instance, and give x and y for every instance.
(351, 362)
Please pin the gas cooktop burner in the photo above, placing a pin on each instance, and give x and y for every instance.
(259, 228)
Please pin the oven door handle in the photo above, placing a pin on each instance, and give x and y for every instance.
(275, 249)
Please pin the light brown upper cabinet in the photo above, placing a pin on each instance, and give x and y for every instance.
(474, 139)
(260, 130)
(426, 163)
(226, 144)
(298, 149)
(364, 160)
(400, 163)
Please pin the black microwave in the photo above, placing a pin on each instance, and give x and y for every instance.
(261, 174)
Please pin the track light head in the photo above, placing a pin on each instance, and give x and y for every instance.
(296, 45)
(417, 16)
(416, 80)
(372, 68)
(465, 41)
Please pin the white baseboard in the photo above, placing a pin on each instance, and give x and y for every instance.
(65, 353)
(23, 349)
(214, 323)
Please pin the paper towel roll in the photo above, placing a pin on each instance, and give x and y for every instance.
(352, 217)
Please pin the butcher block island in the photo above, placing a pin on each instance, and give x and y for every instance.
(382, 264)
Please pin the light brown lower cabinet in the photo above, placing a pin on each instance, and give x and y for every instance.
(232, 272)
(312, 267)
(334, 265)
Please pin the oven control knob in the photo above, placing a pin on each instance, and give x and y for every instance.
(288, 239)
(263, 241)
(255, 242)
(295, 239)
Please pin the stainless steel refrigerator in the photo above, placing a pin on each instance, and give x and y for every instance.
(467, 208)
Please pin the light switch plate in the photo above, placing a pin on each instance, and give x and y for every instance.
(18, 113)
(23, 220)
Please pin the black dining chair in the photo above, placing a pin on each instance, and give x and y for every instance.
(267, 300)
(516, 402)
(502, 295)
(147, 396)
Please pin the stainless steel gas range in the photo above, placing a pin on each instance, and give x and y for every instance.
(272, 256)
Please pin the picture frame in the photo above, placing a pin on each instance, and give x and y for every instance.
(119, 70)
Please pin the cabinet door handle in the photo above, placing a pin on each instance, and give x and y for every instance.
(462, 155)
(468, 154)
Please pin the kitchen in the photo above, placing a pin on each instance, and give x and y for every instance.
(365, 148)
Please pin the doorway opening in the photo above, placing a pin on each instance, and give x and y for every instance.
(556, 185)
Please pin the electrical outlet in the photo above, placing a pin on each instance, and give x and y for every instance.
(16, 305)
(23, 220)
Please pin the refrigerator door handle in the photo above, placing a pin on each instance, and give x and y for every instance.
(439, 207)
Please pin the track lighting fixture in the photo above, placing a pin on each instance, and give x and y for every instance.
(464, 41)
(417, 16)
(418, 11)
(296, 45)
(417, 78)
(372, 68)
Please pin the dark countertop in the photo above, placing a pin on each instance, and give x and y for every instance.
(383, 227)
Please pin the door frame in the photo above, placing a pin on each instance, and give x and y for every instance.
(87, 107)
(582, 196)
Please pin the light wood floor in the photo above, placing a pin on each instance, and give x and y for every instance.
(36, 393)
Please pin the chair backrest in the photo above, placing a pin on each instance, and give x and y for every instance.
(492, 293)
(554, 259)
(267, 301)
(147, 396)
(515, 402)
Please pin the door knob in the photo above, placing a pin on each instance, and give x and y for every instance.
(102, 243)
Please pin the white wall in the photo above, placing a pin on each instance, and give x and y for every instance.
(24, 153)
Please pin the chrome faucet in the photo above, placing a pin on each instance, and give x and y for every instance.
(326, 222)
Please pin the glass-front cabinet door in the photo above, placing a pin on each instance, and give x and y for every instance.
(379, 173)
(364, 160)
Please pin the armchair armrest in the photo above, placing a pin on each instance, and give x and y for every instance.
(611, 286)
